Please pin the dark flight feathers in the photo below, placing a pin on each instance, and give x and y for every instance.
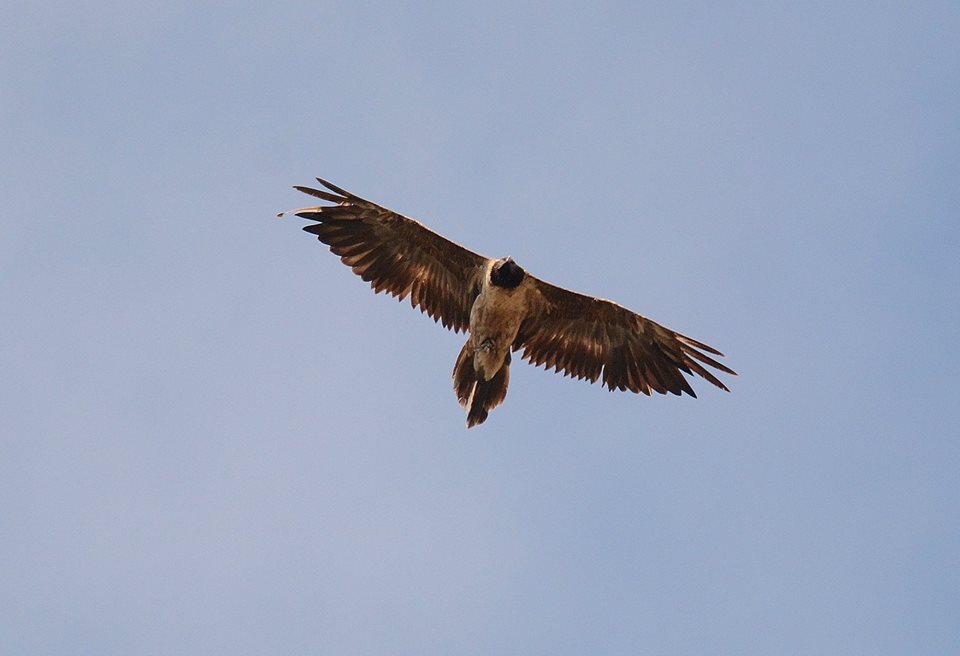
(397, 255)
(578, 335)
(593, 338)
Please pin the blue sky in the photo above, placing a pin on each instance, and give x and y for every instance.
(215, 439)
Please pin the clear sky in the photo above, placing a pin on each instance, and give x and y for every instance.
(215, 440)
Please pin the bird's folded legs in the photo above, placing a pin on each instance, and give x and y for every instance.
(486, 345)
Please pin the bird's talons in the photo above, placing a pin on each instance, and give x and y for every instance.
(486, 346)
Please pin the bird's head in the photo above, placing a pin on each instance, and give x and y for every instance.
(506, 273)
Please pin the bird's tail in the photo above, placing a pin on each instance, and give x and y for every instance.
(478, 396)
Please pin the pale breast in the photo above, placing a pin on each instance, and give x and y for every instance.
(497, 314)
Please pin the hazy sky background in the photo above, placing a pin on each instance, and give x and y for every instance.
(215, 439)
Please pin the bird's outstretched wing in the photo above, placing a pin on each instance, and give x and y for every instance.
(397, 254)
(593, 338)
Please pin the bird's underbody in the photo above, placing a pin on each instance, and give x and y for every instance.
(494, 322)
(504, 309)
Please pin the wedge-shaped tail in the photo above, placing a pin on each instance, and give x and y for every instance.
(478, 396)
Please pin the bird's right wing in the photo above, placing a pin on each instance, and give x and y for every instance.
(397, 254)
(593, 338)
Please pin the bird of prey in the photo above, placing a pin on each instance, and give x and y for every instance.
(504, 309)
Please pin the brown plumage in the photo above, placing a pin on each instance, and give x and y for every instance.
(504, 309)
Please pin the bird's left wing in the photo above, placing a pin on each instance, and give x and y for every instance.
(397, 254)
(594, 338)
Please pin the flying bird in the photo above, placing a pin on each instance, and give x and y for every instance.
(504, 309)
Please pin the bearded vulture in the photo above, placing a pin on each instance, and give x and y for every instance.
(504, 309)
